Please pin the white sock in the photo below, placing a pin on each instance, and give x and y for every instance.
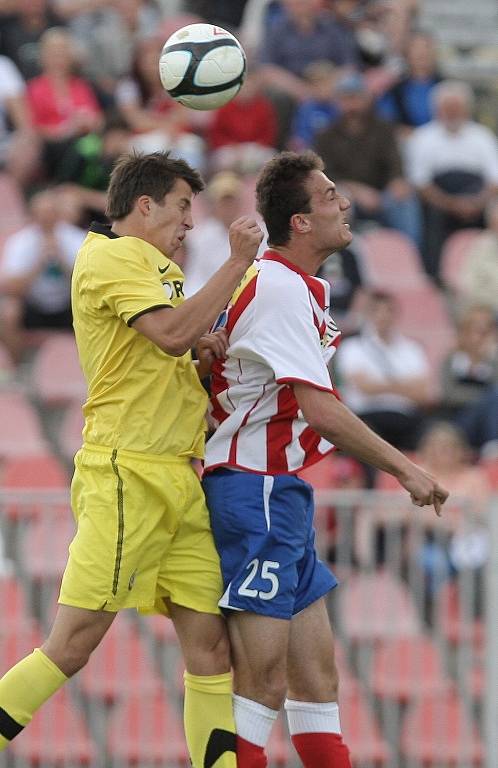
(253, 721)
(309, 717)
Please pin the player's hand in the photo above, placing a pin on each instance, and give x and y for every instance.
(210, 347)
(245, 237)
(423, 488)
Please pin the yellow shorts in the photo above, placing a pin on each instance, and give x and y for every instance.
(143, 534)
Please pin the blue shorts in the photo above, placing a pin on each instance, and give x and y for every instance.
(263, 531)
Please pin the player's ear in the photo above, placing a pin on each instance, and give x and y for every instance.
(143, 203)
(300, 223)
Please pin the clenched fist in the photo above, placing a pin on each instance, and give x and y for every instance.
(245, 236)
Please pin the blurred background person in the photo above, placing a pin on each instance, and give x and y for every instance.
(453, 163)
(207, 246)
(19, 148)
(63, 104)
(243, 133)
(384, 376)
(409, 102)
(21, 33)
(361, 154)
(469, 377)
(479, 273)
(35, 273)
(319, 110)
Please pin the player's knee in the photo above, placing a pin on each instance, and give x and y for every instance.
(208, 655)
(267, 683)
(70, 656)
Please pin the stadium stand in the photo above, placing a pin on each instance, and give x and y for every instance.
(56, 373)
(453, 256)
(21, 432)
(392, 260)
(24, 473)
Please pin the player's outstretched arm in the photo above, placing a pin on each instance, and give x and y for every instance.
(177, 330)
(336, 423)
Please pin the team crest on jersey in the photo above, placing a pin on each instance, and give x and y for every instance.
(330, 334)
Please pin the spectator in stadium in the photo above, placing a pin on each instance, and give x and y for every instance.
(461, 541)
(157, 121)
(63, 105)
(21, 33)
(143, 538)
(319, 110)
(345, 272)
(208, 246)
(469, 376)
(453, 162)
(277, 413)
(479, 273)
(303, 35)
(111, 42)
(19, 148)
(35, 273)
(408, 103)
(360, 151)
(243, 134)
(385, 375)
(226, 15)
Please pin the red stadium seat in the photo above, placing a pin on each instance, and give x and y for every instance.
(144, 729)
(45, 546)
(424, 317)
(455, 625)
(57, 376)
(70, 438)
(57, 735)
(20, 434)
(13, 602)
(17, 641)
(360, 729)
(376, 606)
(453, 257)
(120, 665)
(392, 260)
(437, 731)
(26, 473)
(405, 667)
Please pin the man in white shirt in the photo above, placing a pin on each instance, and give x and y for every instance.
(19, 148)
(453, 162)
(277, 412)
(35, 272)
(385, 376)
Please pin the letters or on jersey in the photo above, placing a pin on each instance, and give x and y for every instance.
(139, 398)
(280, 332)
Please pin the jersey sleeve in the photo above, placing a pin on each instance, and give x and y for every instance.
(125, 281)
(285, 336)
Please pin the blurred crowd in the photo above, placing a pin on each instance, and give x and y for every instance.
(359, 81)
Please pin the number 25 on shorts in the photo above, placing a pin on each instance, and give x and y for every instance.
(267, 566)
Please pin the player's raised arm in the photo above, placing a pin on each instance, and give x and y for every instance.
(336, 423)
(177, 330)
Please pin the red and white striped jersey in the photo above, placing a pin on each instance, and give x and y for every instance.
(279, 332)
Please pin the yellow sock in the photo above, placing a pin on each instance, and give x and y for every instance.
(208, 719)
(23, 690)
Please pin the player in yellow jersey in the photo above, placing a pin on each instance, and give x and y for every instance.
(143, 538)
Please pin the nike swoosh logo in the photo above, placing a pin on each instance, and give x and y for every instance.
(162, 271)
(219, 742)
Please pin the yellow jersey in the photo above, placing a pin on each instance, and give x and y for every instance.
(139, 397)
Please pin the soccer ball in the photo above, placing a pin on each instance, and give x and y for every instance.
(202, 66)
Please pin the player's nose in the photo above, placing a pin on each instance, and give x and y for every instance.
(345, 203)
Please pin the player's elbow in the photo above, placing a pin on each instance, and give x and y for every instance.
(176, 347)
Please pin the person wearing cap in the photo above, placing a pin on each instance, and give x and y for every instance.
(208, 246)
(360, 151)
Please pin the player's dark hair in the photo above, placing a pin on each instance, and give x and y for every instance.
(281, 191)
(136, 174)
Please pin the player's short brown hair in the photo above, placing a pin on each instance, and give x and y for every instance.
(137, 174)
(281, 191)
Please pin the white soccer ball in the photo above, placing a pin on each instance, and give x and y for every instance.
(202, 66)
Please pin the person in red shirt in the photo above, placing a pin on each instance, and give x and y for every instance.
(63, 105)
(243, 133)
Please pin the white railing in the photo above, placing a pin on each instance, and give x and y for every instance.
(417, 641)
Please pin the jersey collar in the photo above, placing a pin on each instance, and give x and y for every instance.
(102, 229)
(274, 256)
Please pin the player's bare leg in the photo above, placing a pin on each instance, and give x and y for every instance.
(312, 709)
(208, 711)
(76, 632)
(259, 651)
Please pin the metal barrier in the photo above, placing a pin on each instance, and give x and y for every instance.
(415, 617)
